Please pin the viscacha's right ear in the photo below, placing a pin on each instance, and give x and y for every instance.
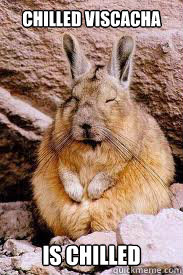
(79, 64)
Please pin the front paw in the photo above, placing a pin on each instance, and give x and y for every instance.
(75, 192)
(72, 185)
(94, 191)
(100, 183)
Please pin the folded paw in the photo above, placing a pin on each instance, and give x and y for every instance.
(71, 184)
(94, 192)
(100, 183)
(75, 191)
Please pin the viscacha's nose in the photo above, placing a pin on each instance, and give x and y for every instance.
(86, 126)
(86, 130)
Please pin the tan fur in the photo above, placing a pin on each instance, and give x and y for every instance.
(126, 187)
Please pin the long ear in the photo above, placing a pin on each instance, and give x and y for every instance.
(120, 64)
(78, 61)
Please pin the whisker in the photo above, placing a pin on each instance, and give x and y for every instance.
(120, 146)
(54, 149)
(140, 160)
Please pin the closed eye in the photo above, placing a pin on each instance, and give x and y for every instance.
(76, 98)
(70, 99)
(110, 99)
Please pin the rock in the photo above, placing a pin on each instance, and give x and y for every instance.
(61, 240)
(177, 192)
(16, 221)
(13, 272)
(23, 115)
(40, 270)
(69, 272)
(27, 259)
(98, 238)
(154, 85)
(106, 238)
(33, 68)
(159, 237)
(117, 270)
(81, 269)
(5, 265)
(32, 262)
(18, 247)
(21, 127)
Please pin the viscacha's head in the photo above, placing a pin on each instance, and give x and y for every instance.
(100, 98)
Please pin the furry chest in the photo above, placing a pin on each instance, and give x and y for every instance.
(93, 162)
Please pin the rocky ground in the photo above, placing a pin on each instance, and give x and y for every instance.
(160, 239)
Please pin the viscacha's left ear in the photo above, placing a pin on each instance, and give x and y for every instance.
(120, 65)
